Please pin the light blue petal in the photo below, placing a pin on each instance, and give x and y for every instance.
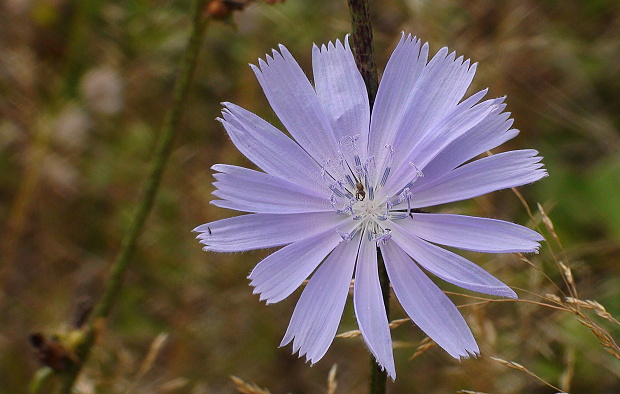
(427, 305)
(488, 134)
(319, 309)
(342, 92)
(401, 73)
(262, 230)
(295, 102)
(441, 86)
(370, 309)
(464, 117)
(449, 266)
(247, 190)
(270, 149)
(473, 233)
(437, 90)
(497, 172)
(280, 273)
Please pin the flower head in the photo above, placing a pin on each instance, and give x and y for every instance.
(348, 185)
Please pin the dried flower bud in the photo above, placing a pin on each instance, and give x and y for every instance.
(51, 352)
(222, 9)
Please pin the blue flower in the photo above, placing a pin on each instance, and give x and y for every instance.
(348, 184)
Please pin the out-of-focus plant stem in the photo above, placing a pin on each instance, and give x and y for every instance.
(365, 60)
(164, 147)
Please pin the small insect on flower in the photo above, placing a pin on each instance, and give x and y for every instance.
(346, 187)
(360, 194)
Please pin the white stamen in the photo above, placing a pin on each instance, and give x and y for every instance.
(346, 237)
(384, 238)
(418, 172)
(406, 195)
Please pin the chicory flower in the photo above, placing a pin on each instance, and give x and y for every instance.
(349, 185)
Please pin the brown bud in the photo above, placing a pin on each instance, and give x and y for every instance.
(222, 9)
(51, 352)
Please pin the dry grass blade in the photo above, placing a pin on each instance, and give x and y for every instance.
(553, 298)
(566, 272)
(470, 392)
(149, 360)
(154, 350)
(356, 333)
(332, 384)
(247, 388)
(425, 345)
(173, 386)
(594, 305)
(569, 372)
(398, 322)
(524, 203)
(519, 367)
(349, 334)
(603, 336)
(523, 258)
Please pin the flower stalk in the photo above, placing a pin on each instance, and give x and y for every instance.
(361, 34)
(365, 61)
(162, 153)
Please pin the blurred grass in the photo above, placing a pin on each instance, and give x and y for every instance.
(83, 90)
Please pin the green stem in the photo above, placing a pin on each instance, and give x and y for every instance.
(164, 147)
(364, 58)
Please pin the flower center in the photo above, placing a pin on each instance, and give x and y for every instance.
(368, 210)
(356, 185)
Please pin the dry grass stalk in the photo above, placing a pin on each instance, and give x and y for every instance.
(398, 322)
(349, 334)
(594, 305)
(470, 392)
(173, 386)
(425, 345)
(553, 298)
(569, 372)
(356, 333)
(567, 274)
(332, 384)
(247, 388)
(519, 367)
(603, 336)
(151, 356)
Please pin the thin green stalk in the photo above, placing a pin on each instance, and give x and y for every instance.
(164, 147)
(364, 58)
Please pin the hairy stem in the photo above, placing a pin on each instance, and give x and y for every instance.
(164, 147)
(362, 46)
(364, 58)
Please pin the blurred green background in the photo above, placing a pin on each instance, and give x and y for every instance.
(84, 86)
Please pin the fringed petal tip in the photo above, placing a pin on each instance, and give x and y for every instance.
(299, 352)
(407, 37)
(390, 372)
(332, 45)
(470, 354)
(464, 353)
